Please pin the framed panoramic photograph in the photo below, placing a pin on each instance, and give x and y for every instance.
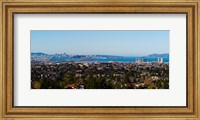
(86, 59)
(99, 59)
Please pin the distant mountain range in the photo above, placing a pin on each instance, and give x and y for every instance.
(79, 56)
(39, 56)
(165, 55)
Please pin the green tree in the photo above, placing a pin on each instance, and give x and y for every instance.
(69, 78)
(165, 85)
(126, 78)
(158, 84)
(37, 85)
(44, 83)
(91, 82)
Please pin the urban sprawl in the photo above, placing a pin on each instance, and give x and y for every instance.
(140, 74)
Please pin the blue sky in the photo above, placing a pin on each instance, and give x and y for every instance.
(100, 42)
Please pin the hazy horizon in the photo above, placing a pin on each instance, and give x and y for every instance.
(100, 42)
(100, 54)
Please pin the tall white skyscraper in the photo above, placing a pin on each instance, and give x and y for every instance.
(160, 60)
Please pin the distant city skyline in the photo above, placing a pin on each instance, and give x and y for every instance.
(100, 42)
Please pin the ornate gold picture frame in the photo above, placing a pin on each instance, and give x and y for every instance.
(11, 7)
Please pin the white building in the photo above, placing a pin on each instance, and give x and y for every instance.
(160, 60)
